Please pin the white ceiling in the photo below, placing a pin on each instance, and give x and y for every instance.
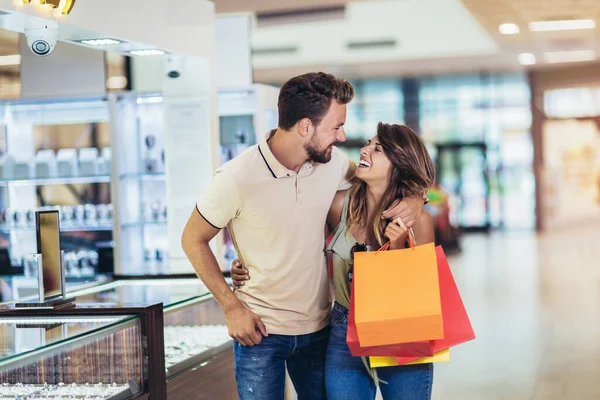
(432, 36)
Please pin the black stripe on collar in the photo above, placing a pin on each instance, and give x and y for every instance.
(268, 166)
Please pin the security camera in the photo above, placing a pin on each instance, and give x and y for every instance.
(41, 36)
(174, 66)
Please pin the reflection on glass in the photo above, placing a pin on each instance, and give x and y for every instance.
(48, 241)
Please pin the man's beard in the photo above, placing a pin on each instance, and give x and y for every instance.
(316, 155)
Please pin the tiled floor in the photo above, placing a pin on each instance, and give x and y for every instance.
(534, 302)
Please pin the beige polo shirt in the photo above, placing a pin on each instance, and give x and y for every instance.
(276, 218)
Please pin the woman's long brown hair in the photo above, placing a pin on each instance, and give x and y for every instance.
(412, 173)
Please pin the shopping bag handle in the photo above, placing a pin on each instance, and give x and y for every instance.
(412, 243)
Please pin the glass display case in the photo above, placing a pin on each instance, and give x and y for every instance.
(56, 154)
(197, 346)
(245, 114)
(197, 349)
(71, 357)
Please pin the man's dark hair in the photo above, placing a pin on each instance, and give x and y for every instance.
(310, 96)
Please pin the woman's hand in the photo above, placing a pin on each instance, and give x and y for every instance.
(239, 274)
(397, 232)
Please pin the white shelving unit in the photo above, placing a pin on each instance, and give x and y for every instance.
(19, 120)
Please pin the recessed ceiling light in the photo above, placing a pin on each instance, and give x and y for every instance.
(527, 59)
(569, 56)
(509, 29)
(152, 52)
(14, 59)
(563, 25)
(100, 42)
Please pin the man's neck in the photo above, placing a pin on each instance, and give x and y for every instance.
(287, 149)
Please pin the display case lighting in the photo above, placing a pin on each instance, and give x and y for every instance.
(53, 320)
(148, 52)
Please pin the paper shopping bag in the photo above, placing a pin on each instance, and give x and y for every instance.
(378, 362)
(457, 326)
(414, 349)
(397, 296)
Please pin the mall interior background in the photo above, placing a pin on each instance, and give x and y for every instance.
(511, 120)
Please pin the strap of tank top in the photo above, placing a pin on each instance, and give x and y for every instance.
(345, 209)
(341, 228)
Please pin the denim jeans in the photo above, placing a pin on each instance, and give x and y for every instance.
(346, 377)
(260, 369)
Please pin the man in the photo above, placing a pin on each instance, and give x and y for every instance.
(274, 198)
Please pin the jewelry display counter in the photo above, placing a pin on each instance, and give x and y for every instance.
(71, 357)
(196, 360)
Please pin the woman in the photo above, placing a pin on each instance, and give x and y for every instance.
(393, 165)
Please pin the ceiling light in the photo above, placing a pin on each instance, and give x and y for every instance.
(509, 29)
(565, 25)
(14, 59)
(152, 52)
(61, 7)
(527, 59)
(100, 42)
(569, 56)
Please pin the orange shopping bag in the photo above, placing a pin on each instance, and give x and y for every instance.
(404, 309)
(414, 349)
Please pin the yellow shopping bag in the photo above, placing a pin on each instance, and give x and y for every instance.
(441, 356)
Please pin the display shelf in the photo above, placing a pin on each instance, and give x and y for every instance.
(55, 181)
(63, 228)
(140, 224)
(191, 345)
(144, 176)
(62, 391)
(96, 351)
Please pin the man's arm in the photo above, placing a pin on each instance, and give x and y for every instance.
(195, 242)
(244, 326)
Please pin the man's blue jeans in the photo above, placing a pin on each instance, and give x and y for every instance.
(346, 376)
(260, 369)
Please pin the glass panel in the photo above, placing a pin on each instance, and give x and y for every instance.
(193, 333)
(119, 293)
(22, 335)
(144, 176)
(56, 181)
(104, 363)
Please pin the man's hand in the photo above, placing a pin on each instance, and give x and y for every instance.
(244, 326)
(397, 232)
(408, 210)
(239, 274)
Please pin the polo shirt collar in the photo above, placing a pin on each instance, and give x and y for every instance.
(275, 167)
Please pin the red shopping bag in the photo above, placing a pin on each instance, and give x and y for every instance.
(414, 349)
(457, 326)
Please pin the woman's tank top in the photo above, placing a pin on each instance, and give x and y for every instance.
(340, 247)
